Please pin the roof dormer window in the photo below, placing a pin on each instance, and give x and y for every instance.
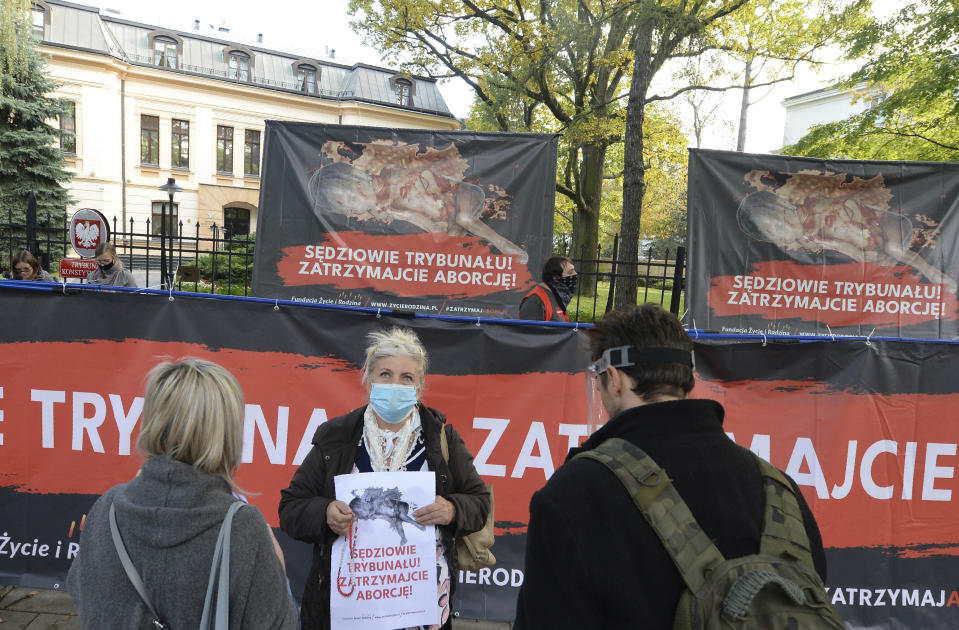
(306, 78)
(403, 90)
(239, 63)
(167, 49)
(165, 52)
(40, 19)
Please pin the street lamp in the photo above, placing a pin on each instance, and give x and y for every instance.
(166, 273)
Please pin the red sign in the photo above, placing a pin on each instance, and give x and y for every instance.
(74, 268)
(88, 228)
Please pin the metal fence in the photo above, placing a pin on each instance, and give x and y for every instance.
(658, 276)
(219, 262)
(211, 262)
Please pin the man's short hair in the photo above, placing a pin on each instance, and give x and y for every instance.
(554, 267)
(645, 326)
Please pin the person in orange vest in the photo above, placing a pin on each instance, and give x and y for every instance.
(547, 301)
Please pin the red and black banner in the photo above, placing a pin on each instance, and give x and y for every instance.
(786, 245)
(448, 222)
(867, 430)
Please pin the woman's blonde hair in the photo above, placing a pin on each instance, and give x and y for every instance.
(391, 343)
(193, 413)
(108, 247)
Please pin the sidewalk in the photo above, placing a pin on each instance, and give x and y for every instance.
(38, 609)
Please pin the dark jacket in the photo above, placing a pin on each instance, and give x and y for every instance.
(303, 505)
(592, 560)
(542, 305)
(169, 517)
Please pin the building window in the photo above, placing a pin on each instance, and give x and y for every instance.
(171, 219)
(150, 140)
(404, 92)
(38, 15)
(236, 222)
(224, 149)
(239, 66)
(251, 153)
(165, 52)
(68, 127)
(180, 154)
(306, 78)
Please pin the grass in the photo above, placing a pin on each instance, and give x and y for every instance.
(582, 308)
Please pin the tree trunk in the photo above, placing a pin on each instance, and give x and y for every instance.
(586, 219)
(744, 108)
(634, 178)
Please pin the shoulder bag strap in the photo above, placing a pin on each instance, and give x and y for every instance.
(220, 577)
(784, 533)
(653, 492)
(131, 570)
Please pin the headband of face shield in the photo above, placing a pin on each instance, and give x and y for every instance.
(620, 357)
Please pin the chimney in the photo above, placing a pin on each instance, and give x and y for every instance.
(196, 25)
(259, 38)
(332, 53)
(224, 28)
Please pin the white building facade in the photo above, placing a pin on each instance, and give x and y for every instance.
(145, 104)
(805, 111)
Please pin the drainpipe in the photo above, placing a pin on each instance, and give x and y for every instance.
(123, 153)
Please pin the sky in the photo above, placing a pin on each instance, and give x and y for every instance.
(314, 27)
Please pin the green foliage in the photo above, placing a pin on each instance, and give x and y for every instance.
(909, 78)
(29, 156)
(14, 46)
(233, 266)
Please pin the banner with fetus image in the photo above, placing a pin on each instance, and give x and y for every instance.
(801, 246)
(384, 573)
(450, 222)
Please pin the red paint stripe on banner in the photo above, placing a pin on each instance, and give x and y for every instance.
(70, 432)
(406, 265)
(877, 470)
(838, 295)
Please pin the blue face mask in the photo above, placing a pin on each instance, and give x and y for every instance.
(392, 402)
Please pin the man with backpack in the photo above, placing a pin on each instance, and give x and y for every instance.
(595, 560)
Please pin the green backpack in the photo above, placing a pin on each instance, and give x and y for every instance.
(776, 588)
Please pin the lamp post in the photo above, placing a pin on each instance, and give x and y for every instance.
(166, 273)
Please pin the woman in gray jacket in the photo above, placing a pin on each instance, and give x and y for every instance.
(395, 432)
(169, 516)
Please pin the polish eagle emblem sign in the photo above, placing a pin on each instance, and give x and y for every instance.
(88, 228)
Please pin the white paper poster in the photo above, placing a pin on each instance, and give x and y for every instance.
(383, 576)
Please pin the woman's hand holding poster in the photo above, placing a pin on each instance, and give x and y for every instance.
(384, 572)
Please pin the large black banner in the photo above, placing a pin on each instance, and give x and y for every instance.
(868, 431)
(426, 221)
(803, 246)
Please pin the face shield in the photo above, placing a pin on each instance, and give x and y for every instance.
(620, 357)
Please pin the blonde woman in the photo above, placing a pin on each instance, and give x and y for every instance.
(394, 432)
(109, 268)
(169, 516)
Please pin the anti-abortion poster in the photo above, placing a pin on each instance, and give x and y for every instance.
(426, 221)
(383, 573)
(823, 247)
(868, 431)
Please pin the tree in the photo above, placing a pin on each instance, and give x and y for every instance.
(30, 158)
(909, 77)
(533, 65)
(778, 31)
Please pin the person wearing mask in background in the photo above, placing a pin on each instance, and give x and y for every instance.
(547, 301)
(394, 432)
(109, 268)
(26, 267)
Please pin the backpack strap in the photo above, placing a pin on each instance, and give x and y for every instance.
(784, 533)
(653, 492)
